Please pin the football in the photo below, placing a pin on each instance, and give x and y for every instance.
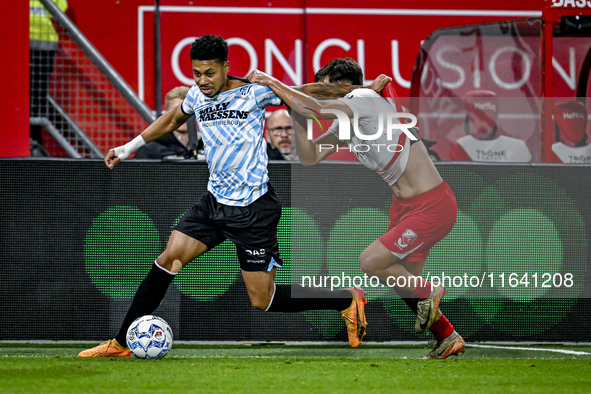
(149, 337)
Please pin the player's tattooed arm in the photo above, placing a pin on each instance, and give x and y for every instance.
(298, 100)
(335, 90)
(325, 90)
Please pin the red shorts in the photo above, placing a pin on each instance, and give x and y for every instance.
(417, 223)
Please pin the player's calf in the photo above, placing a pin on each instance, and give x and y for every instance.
(428, 308)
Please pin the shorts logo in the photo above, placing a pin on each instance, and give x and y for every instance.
(256, 256)
(258, 253)
(408, 237)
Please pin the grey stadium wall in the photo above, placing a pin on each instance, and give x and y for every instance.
(76, 240)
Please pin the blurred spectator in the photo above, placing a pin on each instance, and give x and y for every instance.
(176, 145)
(570, 120)
(482, 142)
(44, 43)
(278, 133)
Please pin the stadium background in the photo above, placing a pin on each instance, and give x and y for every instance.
(70, 268)
(288, 39)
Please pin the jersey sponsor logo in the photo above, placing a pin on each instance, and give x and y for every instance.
(573, 115)
(492, 155)
(220, 111)
(581, 159)
(502, 148)
(485, 105)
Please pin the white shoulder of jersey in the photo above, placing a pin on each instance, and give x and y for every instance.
(362, 92)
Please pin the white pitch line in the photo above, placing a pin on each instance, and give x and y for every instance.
(531, 348)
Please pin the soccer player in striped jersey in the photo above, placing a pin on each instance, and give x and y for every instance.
(240, 204)
(423, 209)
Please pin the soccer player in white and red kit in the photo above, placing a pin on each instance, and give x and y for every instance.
(423, 209)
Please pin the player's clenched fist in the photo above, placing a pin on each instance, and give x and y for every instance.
(116, 155)
(259, 77)
(111, 160)
(380, 82)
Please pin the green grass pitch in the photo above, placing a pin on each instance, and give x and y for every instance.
(379, 368)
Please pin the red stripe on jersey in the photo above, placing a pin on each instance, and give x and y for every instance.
(390, 92)
(401, 142)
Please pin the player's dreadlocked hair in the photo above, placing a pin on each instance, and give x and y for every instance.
(210, 47)
(341, 69)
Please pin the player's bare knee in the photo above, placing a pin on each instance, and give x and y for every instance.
(367, 263)
(260, 302)
(169, 262)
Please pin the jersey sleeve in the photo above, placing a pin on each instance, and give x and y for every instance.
(334, 129)
(188, 103)
(362, 101)
(265, 96)
(362, 107)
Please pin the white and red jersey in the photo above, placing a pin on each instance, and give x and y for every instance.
(372, 145)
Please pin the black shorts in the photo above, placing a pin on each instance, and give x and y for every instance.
(253, 228)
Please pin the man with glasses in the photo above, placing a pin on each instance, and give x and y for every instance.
(278, 131)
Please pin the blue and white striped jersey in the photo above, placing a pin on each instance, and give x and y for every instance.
(231, 126)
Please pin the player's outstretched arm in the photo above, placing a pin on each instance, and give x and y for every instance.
(325, 90)
(165, 124)
(311, 152)
(296, 100)
(335, 90)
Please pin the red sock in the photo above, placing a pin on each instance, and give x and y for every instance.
(442, 328)
(422, 290)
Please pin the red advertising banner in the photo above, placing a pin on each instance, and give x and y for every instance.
(293, 43)
(292, 39)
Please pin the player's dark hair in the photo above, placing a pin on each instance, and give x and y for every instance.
(210, 47)
(341, 69)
